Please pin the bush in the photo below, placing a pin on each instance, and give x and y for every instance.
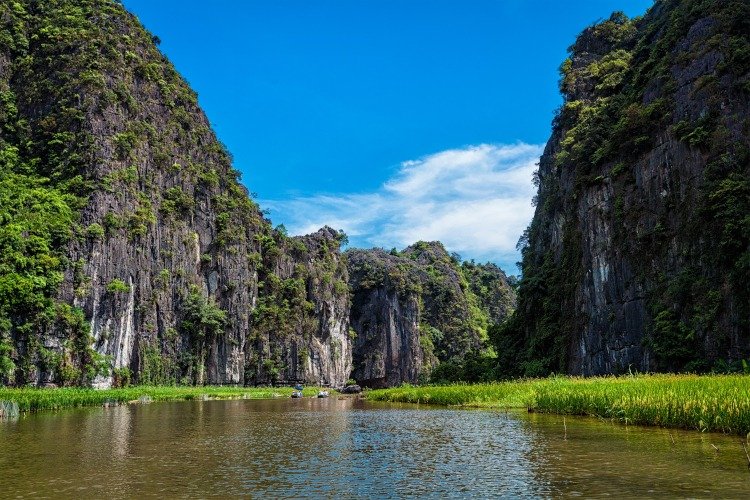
(117, 286)
(125, 142)
(121, 377)
(95, 231)
(112, 222)
(176, 200)
(203, 321)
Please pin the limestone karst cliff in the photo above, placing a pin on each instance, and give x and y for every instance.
(128, 248)
(638, 256)
(419, 308)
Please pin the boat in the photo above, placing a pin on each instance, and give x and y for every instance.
(297, 394)
(323, 394)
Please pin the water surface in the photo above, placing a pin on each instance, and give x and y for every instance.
(352, 448)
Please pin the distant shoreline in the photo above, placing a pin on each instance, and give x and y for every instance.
(41, 399)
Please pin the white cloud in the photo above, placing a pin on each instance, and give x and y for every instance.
(476, 200)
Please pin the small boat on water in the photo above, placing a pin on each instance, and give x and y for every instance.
(297, 394)
(323, 394)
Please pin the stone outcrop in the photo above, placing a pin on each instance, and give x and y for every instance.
(302, 320)
(176, 273)
(416, 308)
(385, 318)
(637, 256)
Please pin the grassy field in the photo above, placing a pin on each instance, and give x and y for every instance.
(716, 403)
(496, 395)
(32, 399)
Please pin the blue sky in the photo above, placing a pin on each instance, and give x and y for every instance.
(393, 120)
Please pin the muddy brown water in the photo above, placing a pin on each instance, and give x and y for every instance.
(352, 448)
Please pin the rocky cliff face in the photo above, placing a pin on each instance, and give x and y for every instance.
(385, 318)
(301, 322)
(414, 309)
(492, 288)
(170, 271)
(638, 256)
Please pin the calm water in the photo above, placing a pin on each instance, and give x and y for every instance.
(350, 448)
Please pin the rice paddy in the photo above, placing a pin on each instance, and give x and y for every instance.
(713, 403)
(34, 399)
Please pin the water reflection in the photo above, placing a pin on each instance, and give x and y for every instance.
(349, 448)
(596, 458)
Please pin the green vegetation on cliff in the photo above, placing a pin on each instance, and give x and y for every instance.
(129, 248)
(41, 190)
(429, 310)
(61, 60)
(639, 251)
(124, 229)
(298, 278)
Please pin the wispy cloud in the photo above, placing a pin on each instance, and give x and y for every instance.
(476, 200)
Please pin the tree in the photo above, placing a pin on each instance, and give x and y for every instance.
(203, 321)
(343, 238)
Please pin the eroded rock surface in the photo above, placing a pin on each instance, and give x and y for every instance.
(170, 272)
(638, 254)
(416, 308)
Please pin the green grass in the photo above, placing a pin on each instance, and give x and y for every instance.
(33, 399)
(715, 403)
(496, 395)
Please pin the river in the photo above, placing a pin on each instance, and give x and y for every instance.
(352, 448)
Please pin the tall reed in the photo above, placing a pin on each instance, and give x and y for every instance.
(719, 403)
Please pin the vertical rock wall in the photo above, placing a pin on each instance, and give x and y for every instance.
(162, 222)
(637, 256)
(385, 317)
(414, 309)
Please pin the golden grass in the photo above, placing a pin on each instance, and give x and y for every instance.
(719, 403)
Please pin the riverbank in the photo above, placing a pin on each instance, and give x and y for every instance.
(34, 399)
(714, 403)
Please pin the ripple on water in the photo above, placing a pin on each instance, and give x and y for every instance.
(350, 448)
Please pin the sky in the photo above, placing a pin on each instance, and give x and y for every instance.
(394, 120)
